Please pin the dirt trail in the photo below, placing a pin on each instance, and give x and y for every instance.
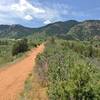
(12, 78)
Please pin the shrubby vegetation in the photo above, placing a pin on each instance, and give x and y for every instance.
(5, 55)
(67, 73)
(36, 39)
(20, 46)
(85, 48)
(3, 42)
(11, 49)
(5, 51)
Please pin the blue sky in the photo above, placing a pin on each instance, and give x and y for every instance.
(36, 13)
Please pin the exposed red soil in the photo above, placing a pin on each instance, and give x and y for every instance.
(12, 78)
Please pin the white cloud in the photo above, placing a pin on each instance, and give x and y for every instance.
(25, 11)
(47, 22)
(28, 17)
(25, 6)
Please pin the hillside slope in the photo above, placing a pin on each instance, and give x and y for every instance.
(13, 31)
(58, 27)
(86, 30)
(18, 31)
(71, 29)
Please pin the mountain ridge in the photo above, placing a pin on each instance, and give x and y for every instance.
(71, 28)
(86, 30)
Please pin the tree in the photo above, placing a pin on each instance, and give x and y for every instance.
(20, 46)
(52, 40)
(91, 49)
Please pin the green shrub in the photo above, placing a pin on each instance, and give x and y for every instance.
(70, 76)
(20, 46)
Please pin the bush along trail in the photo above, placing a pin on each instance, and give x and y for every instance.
(13, 77)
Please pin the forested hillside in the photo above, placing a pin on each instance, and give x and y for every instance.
(58, 28)
(18, 31)
(14, 31)
(86, 30)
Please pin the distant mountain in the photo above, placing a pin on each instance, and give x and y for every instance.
(19, 31)
(86, 30)
(58, 27)
(71, 29)
(14, 31)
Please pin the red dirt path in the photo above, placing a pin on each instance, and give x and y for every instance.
(13, 77)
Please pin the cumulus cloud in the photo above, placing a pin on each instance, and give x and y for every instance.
(24, 6)
(28, 17)
(25, 11)
(47, 22)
